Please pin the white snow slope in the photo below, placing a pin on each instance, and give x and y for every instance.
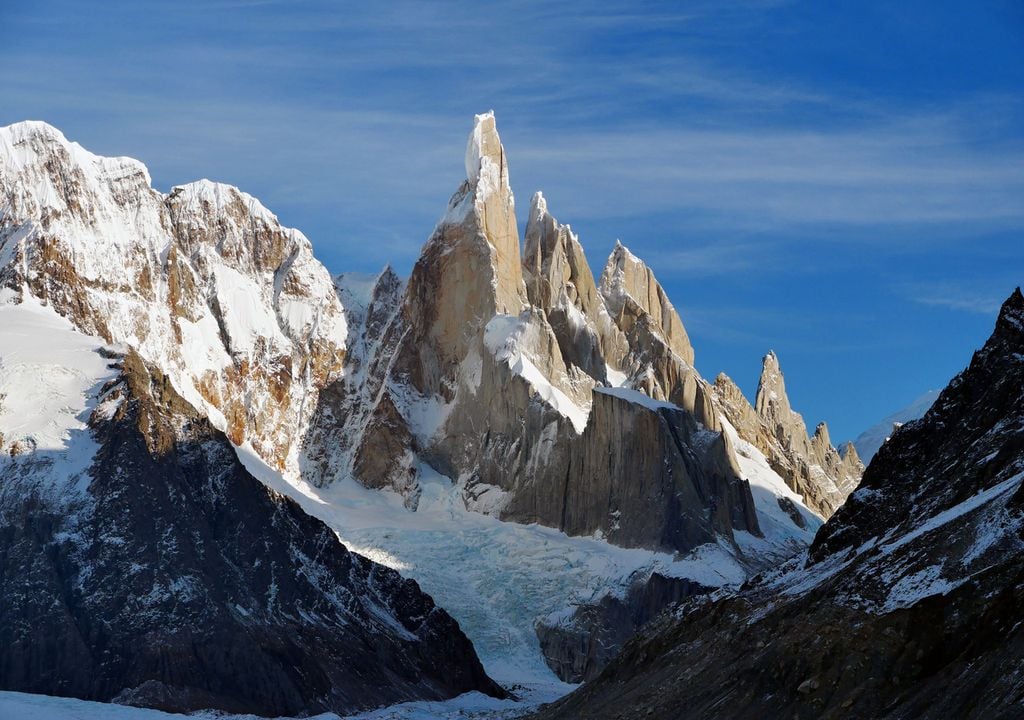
(50, 376)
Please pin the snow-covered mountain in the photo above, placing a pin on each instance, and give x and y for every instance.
(203, 282)
(869, 441)
(907, 605)
(524, 440)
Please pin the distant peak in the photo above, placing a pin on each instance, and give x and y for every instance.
(25, 128)
(219, 196)
(850, 454)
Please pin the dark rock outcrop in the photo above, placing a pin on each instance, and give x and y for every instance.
(580, 646)
(908, 605)
(179, 581)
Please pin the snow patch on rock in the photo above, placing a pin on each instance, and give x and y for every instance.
(50, 381)
(508, 338)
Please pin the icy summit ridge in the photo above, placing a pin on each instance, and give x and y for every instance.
(18, 142)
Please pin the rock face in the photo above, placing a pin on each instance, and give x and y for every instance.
(634, 295)
(580, 646)
(559, 281)
(166, 576)
(810, 465)
(907, 605)
(549, 397)
(204, 282)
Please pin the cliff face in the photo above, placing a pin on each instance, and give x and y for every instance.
(204, 281)
(907, 605)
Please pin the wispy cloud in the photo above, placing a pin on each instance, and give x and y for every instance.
(954, 297)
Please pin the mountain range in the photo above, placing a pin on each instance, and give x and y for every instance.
(230, 480)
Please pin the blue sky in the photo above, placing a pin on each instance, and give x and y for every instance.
(842, 182)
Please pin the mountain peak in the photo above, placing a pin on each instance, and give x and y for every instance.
(821, 434)
(629, 287)
(1011, 316)
(485, 157)
(621, 254)
(26, 128)
(538, 204)
(43, 156)
(850, 454)
(771, 400)
(219, 197)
